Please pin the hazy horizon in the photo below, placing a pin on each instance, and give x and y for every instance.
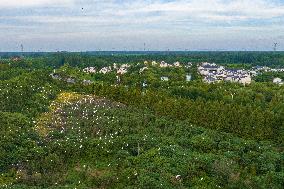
(153, 25)
(142, 51)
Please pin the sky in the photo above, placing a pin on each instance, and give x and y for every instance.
(93, 25)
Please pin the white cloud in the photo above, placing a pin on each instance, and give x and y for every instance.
(153, 19)
(210, 9)
(33, 3)
(141, 10)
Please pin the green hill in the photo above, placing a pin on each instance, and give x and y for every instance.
(91, 142)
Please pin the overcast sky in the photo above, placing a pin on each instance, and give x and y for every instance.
(80, 25)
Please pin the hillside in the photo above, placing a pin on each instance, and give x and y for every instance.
(86, 142)
(123, 125)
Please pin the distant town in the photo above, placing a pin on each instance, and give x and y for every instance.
(210, 72)
(215, 73)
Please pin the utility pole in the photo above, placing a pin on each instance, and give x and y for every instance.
(22, 50)
(275, 47)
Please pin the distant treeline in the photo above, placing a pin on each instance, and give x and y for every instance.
(275, 59)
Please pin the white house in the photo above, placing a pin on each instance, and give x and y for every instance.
(105, 70)
(164, 79)
(177, 64)
(188, 77)
(209, 79)
(125, 66)
(90, 70)
(143, 69)
(115, 66)
(246, 79)
(87, 82)
(163, 64)
(278, 80)
(118, 79)
(71, 80)
(253, 73)
(220, 69)
(204, 72)
(154, 63)
(189, 64)
(55, 76)
(121, 71)
(229, 78)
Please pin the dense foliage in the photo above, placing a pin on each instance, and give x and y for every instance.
(110, 134)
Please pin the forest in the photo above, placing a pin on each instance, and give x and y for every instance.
(61, 127)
